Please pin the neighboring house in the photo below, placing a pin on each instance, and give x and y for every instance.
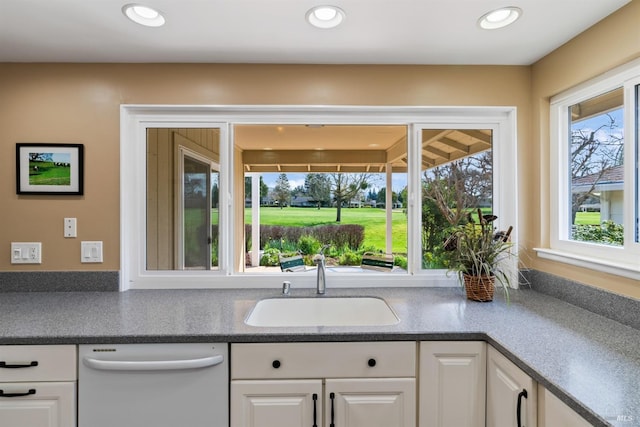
(303, 202)
(608, 187)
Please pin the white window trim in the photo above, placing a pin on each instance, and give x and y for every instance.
(621, 261)
(136, 118)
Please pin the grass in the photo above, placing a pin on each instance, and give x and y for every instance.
(49, 174)
(372, 219)
(587, 218)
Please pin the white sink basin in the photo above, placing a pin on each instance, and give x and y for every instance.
(321, 311)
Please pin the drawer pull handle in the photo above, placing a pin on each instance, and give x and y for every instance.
(4, 364)
(31, 391)
(315, 409)
(371, 363)
(522, 394)
(276, 364)
(332, 396)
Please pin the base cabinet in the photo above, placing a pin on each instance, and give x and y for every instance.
(37, 404)
(38, 386)
(511, 393)
(265, 403)
(373, 402)
(348, 385)
(452, 383)
(552, 412)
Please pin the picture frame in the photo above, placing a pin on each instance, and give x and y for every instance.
(49, 169)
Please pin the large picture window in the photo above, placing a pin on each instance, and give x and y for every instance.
(225, 196)
(594, 182)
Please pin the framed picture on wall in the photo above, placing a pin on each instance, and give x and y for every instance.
(44, 168)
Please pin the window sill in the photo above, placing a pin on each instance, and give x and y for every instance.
(619, 269)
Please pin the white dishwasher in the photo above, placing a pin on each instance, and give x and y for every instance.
(159, 385)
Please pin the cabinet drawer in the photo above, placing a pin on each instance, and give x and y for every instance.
(50, 404)
(324, 360)
(37, 363)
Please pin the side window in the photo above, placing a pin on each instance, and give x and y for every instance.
(594, 183)
(456, 179)
(596, 170)
(182, 176)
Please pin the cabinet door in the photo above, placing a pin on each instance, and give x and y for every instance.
(276, 403)
(381, 402)
(452, 383)
(552, 412)
(508, 388)
(38, 404)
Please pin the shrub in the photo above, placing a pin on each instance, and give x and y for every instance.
(308, 245)
(400, 261)
(270, 257)
(608, 233)
(349, 257)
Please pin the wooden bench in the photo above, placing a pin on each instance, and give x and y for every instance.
(377, 262)
(291, 264)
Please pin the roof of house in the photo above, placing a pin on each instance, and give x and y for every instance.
(609, 179)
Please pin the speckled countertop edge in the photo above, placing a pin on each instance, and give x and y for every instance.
(590, 362)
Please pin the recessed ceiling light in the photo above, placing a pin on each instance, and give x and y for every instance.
(143, 15)
(325, 16)
(499, 18)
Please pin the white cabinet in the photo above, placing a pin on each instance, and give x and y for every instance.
(374, 402)
(270, 403)
(552, 412)
(38, 386)
(511, 393)
(452, 383)
(321, 384)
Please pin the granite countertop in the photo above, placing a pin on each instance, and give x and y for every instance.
(590, 362)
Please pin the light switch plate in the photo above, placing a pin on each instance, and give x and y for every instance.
(26, 253)
(91, 252)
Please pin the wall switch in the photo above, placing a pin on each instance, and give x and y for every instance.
(91, 252)
(26, 253)
(70, 229)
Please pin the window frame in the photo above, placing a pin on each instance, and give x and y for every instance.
(136, 118)
(622, 260)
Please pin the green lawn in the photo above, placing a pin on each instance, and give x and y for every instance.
(587, 218)
(372, 219)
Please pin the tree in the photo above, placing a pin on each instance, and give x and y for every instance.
(346, 186)
(318, 187)
(459, 185)
(264, 189)
(381, 197)
(593, 153)
(282, 190)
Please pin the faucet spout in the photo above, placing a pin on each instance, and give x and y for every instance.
(321, 278)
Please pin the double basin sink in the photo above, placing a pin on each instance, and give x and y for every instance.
(321, 311)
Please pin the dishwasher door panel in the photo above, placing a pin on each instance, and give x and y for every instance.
(160, 385)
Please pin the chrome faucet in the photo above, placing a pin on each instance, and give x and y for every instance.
(321, 278)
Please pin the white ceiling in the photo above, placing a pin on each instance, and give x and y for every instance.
(275, 31)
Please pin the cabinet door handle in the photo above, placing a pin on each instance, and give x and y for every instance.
(31, 391)
(4, 364)
(371, 362)
(315, 409)
(332, 396)
(522, 394)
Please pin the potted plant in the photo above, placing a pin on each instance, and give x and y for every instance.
(476, 251)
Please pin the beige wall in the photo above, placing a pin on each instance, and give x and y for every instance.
(612, 42)
(80, 103)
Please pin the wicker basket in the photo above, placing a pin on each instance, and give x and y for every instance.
(479, 288)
